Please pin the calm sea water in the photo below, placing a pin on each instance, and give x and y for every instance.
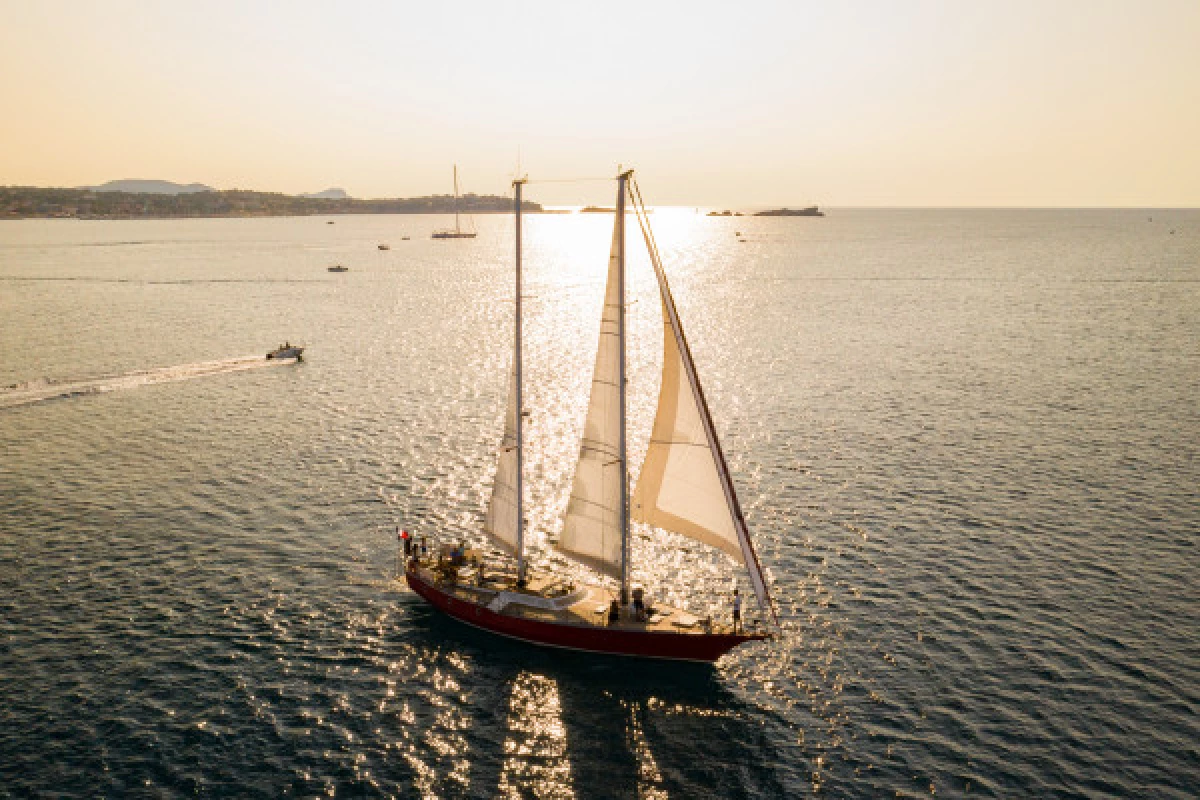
(966, 442)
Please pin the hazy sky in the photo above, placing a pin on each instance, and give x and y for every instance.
(840, 103)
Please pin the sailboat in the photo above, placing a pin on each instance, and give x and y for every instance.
(684, 487)
(458, 232)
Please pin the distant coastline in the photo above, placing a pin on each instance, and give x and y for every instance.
(26, 202)
(810, 211)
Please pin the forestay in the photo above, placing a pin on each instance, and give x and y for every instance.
(501, 519)
(592, 525)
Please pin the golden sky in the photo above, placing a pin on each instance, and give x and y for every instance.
(980, 103)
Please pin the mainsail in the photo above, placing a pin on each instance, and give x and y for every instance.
(501, 519)
(684, 485)
(592, 527)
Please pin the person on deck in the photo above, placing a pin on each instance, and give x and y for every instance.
(614, 613)
(737, 611)
(639, 605)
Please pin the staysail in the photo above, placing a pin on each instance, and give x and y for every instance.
(684, 485)
(500, 521)
(592, 526)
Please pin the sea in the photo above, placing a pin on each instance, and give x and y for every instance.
(967, 444)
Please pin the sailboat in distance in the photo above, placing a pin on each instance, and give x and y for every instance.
(458, 232)
(684, 486)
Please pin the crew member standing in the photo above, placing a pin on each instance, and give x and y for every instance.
(737, 611)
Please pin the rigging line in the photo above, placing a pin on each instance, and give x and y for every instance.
(640, 208)
(566, 180)
(647, 231)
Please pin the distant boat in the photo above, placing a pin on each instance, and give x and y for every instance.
(329, 222)
(458, 232)
(811, 211)
(338, 268)
(287, 350)
(685, 486)
(607, 210)
(385, 247)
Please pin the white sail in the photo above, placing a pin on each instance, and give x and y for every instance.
(684, 485)
(592, 525)
(501, 519)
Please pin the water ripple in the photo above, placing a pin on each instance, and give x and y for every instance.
(965, 442)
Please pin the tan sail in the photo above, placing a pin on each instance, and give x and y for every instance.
(592, 526)
(679, 487)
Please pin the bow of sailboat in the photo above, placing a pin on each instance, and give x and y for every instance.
(685, 485)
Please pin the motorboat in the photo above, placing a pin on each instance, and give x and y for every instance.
(286, 350)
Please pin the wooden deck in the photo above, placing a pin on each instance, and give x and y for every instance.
(479, 585)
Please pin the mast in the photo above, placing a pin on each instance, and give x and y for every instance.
(517, 184)
(456, 230)
(623, 462)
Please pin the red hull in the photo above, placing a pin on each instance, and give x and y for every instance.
(705, 647)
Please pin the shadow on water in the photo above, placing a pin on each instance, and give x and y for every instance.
(551, 723)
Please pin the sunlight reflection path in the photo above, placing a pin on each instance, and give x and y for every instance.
(535, 750)
(650, 779)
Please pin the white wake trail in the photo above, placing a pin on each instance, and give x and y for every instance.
(43, 389)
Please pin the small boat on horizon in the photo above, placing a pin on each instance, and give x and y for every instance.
(608, 210)
(685, 487)
(385, 247)
(458, 232)
(338, 268)
(287, 350)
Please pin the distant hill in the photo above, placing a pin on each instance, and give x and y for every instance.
(328, 194)
(17, 202)
(150, 187)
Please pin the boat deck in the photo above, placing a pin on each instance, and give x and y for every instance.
(478, 585)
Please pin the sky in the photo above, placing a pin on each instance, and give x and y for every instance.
(981, 103)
